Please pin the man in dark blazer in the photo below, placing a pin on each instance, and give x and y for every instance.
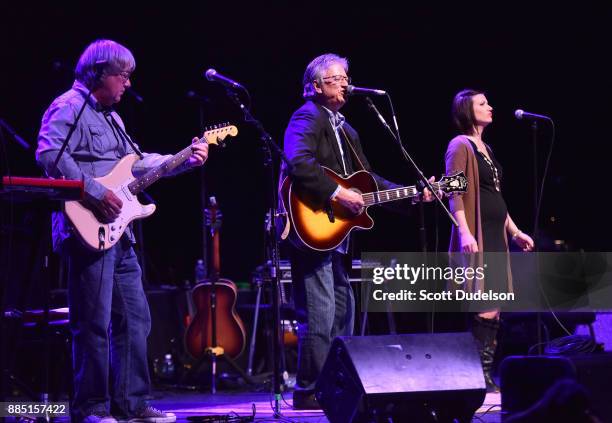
(318, 135)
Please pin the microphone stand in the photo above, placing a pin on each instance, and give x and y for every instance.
(424, 182)
(203, 195)
(268, 146)
(534, 141)
(537, 199)
(22, 143)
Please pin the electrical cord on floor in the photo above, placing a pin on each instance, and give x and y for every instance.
(233, 417)
(480, 416)
(289, 407)
(575, 344)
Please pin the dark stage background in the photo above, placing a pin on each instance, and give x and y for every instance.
(552, 61)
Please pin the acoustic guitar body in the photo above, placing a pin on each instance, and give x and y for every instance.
(231, 334)
(313, 227)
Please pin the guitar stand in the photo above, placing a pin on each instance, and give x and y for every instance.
(213, 354)
(262, 277)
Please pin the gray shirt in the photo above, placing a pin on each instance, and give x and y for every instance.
(94, 148)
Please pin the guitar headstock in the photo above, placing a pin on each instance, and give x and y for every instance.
(217, 134)
(453, 184)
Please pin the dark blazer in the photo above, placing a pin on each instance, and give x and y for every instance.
(310, 142)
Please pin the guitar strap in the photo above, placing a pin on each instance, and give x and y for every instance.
(108, 116)
(348, 142)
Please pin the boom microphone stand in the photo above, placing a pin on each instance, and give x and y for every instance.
(424, 182)
(268, 146)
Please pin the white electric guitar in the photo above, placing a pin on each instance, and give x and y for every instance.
(100, 236)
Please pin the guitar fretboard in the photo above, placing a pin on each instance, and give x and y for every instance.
(160, 171)
(371, 198)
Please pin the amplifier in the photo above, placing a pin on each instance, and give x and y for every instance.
(354, 273)
(261, 275)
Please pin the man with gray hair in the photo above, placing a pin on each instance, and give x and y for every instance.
(318, 135)
(109, 313)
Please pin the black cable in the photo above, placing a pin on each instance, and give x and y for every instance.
(285, 401)
(536, 229)
(542, 185)
(232, 417)
(568, 345)
(534, 346)
(488, 410)
(537, 218)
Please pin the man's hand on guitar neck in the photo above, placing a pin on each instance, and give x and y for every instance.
(427, 196)
(108, 208)
(199, 153)
(350, 199)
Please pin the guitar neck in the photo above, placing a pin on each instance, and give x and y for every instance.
(378, 197)
(216, 256)
(162, 170)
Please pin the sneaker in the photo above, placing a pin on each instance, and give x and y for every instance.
(153, 415)
(99, 418)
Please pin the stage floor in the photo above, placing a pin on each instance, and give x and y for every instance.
(186, 404)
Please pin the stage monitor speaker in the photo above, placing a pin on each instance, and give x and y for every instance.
(525, 380)
(418, 378)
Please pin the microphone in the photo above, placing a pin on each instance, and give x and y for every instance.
(353, 90)
(135, 95)
(521, 114)
(214, 76)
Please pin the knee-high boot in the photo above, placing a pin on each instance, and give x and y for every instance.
(485, 332)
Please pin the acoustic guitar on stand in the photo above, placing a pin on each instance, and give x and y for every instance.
(325, 229)
(100, 236)
(216, 326)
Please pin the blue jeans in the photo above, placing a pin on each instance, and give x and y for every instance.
(110, 322)
(324, 305)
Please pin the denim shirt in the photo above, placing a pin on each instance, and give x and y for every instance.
(94, 149)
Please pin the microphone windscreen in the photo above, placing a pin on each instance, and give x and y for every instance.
(210, 73)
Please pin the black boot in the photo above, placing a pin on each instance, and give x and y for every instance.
(485, 332)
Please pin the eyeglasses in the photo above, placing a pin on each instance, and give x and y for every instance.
(337, 79)
(125, 76)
